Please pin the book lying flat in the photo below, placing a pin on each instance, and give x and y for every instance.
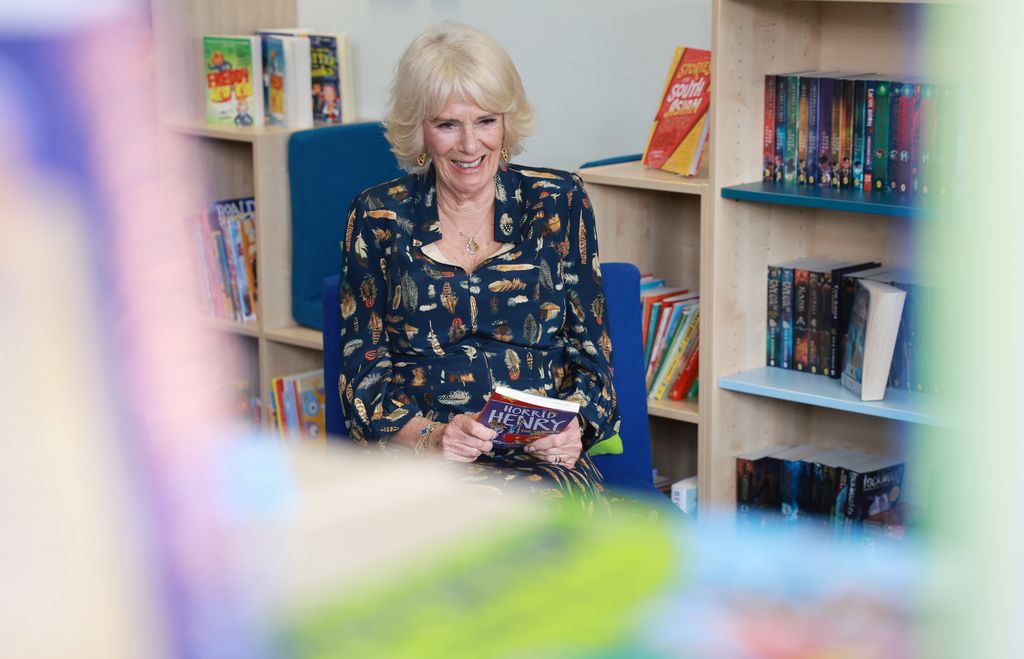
(520, 418)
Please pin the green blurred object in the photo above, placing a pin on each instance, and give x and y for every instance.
(563, 586)
(610, 446)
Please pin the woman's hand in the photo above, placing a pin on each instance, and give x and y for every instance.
(463, 439)
(563, 448)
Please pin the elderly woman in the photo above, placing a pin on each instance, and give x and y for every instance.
(472, 272)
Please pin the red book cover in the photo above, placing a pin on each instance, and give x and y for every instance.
(519, 418)
(680, 128)
(687, 376)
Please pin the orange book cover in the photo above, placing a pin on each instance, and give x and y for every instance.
(680, 129)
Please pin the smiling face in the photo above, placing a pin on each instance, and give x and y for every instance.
(464, 141)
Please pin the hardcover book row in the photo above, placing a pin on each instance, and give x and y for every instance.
(291, 77)
(223, 241)
(853, 496)
(863, 132)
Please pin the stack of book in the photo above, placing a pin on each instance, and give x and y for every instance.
(223, 239)
(671, 322)
(297, 406)
(846, 493)
(852, 321)
(290, 77)
(867, 132)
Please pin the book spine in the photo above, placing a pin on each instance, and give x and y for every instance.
(860, 106)
(800, 292)
(768, 168)
(824, 315)
(854, 504)
(792, 128)
(869, 136)
(929, 131)
(880, 164)
(277, 398)
(805, 491)
(781, 88)
(813, 322)
(802, 127)
(744, 492)
(839, 85)
(786, 317)
(774, 331)
(668, 374)
(246, 309)
(789, 490)
(895, 94)
(813, 92)
(824, 112)
(899, 371)
(249, 245)
(688, 376)
(226, 280)
(835, 329)
(846, 138)
(948, 108)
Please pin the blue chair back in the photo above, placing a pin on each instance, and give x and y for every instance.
(630, 470)
(327, 168)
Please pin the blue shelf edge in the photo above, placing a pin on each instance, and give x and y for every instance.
(854, 201)
(821, 391)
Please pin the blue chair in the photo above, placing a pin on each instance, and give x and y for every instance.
(630, 470)
(327, 168)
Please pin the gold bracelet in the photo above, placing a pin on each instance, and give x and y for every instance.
(425, 433)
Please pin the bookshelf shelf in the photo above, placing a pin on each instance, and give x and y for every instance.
(302, 337)
(636, 175)
(232, 327)
(852, 201)
(198, 128)
(683, 410)
(826, 392)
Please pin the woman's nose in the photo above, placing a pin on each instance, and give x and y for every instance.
(468, 138)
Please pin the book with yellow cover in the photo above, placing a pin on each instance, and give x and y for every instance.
(680, 130)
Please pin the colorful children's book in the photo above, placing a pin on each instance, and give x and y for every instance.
(311, 396)
(680, 131)
(286, 78)
(520, 418)
(333, 87)
(233, 80)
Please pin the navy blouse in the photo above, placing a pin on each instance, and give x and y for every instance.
(420, 336)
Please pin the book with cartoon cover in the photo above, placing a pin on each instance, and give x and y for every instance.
(520, 418)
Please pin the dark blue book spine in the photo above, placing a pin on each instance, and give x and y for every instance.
(824, 121)
(786, 317)
(894, 130)
(780, 127)
(899, 371)
(774, 331)
(792, 127)
(859, 111)
(813, 92)
(789, 490)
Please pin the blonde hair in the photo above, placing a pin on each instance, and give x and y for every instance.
(446, 61)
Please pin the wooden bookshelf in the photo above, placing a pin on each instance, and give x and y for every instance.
(749, 405)
(656, 220)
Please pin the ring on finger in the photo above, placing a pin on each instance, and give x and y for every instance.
(558, 459)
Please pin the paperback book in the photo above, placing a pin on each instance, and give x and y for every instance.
(520, 418)
(874, 322)
(233, 80)
(680, 130)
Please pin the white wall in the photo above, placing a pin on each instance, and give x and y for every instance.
(593, 70)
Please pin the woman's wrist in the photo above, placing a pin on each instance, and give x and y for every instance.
(425, 443)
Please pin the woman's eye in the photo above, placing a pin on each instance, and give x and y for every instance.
(447, 125)
(487, 121)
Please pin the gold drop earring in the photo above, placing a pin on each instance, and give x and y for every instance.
(421, 159)
(504, 153)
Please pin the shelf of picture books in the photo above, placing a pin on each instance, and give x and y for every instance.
(222, 240)
(861, 142)
(852, 496)
(288, 374)
(671, 337)
(849, 336)
(293, 78)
